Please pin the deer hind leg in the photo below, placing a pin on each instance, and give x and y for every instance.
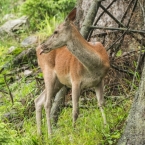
(39, 102)
(100, 98)
(75, 102)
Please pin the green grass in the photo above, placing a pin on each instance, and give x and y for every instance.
(8, 7)
(89, 128)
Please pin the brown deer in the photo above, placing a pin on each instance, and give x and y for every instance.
(66, 58)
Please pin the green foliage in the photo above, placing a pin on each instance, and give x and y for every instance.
(47, 26)
(6, 135)
(7, 7)
(38, 9)
(119, 53)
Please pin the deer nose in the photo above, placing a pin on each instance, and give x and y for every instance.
(41, 51)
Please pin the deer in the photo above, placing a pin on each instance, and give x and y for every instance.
(67, 59)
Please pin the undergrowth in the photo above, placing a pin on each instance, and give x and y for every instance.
(89, 129)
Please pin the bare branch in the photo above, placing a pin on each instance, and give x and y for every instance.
(137, 66)
(11, 96)
(100, 17)
(117, 39)
(118, 22)
(126, 11)
(143, 11)
(121, 70)
(120, 29)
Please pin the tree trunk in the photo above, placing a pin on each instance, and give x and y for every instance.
(89, 19)
(134, 133)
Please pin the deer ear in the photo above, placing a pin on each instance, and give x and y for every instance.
(72, 15)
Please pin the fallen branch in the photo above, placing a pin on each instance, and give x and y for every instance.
(137, 66)
(99, 18)
(143, 11)
(128, 7)
(120, 29)
(122, 70)
(127, 53)
(3, 91)
(19, 58)
(118, 22)
(135, 4)
(117, 40)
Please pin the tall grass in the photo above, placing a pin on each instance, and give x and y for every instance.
(89, 129)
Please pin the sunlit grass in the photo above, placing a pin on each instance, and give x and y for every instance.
(89, 128)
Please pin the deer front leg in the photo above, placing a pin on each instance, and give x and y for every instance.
(50, 81)
(100, 98)
(39, 102)
(75, 102)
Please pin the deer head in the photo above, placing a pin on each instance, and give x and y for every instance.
(61, 34)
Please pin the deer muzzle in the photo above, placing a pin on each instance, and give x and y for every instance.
(44, 49)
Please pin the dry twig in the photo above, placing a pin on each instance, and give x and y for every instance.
(11, 96)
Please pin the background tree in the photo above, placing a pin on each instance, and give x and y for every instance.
(134, 133)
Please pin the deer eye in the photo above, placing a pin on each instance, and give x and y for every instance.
(55, 32)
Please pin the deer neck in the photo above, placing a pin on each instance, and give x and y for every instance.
(82, 50)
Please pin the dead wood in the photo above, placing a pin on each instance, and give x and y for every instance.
(125, 13)
(9, 91)
(120, 29)
(117, 21)
(28, 53)
(95, 23)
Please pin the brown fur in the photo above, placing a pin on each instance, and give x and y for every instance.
(63, 62)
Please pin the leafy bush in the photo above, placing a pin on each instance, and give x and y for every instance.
(7, 7)
(6, 135)
(38, 9)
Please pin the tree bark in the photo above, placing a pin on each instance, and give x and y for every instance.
(134, 133)
(89, 19)
(79, 14)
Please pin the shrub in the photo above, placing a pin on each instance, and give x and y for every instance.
(38, 9)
